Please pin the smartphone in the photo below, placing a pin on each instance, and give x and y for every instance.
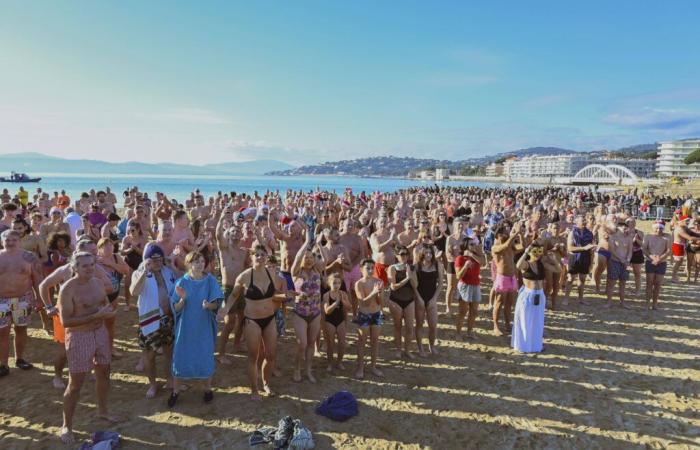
(536, 300)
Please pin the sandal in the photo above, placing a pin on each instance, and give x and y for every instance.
(4, 370)
(208, 396)
(22, 364)
(172, 400)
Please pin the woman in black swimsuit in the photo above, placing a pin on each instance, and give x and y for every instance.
(402, 285)
(132, 250)
(429, 273)
(262, 291)
(336, 304)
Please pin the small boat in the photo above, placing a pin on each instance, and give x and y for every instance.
(19, 178)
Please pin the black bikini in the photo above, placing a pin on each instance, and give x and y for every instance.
(337, 316)
(253, 293)
(529, 274)
(404, 295)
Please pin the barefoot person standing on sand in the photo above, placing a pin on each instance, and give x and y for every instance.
(506, 282)
(83, 307)
(233, 259)
(580, 245)
(620, 245)
(20, 275)
(369, 317)
(656, 248)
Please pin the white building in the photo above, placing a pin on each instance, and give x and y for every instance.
(545, 166)
(671, 155)
(494, 170)
(442, 174)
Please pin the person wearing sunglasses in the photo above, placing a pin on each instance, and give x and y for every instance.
(528, 320)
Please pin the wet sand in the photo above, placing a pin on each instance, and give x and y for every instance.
(607, 379)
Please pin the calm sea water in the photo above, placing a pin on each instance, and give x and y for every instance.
(179, 187)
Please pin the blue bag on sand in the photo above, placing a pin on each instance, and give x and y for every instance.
(340, 406)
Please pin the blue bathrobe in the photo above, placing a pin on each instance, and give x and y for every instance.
(195, 328)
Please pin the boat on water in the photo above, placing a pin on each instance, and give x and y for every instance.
(17, 177)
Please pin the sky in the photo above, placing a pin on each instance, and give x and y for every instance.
(312, 81)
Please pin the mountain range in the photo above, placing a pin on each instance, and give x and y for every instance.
(400, 166)
(32, 163)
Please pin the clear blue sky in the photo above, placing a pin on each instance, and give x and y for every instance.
(314, 81)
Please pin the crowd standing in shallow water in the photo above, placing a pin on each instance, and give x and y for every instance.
(203, 269)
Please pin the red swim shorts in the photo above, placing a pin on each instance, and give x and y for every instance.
(380, 272)
(678, 250)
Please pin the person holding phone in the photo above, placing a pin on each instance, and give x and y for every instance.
(528, 320)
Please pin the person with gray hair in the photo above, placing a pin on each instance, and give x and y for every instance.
(83, 307)
(20, 275)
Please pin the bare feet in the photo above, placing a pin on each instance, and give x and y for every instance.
(624, 306)
(311, 377)
(223, 360)
(583, 302)
(397, 354)
(607, 305)
(255, 396)
(565, 302)
(152, 391)
(58, 383)
(340, 366)
(139, 365)
(408, 355)
(268, 390)
(422, 353)
(297, 375)
(67, 436)
(497, 331)
(112, 418)
(276, 372)
(329, 368)
(116, 354)
(434, 350)
(377, 372)
(360, 374)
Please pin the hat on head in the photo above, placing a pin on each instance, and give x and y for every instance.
(153, 250)
(55, 210)
(683, 218)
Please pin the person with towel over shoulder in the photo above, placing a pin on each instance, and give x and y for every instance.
(528, 322)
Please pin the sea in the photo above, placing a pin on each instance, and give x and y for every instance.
(179, 187)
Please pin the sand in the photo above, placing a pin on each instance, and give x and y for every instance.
(607, 379)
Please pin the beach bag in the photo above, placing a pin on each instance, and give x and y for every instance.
(339, 407)
(302, 438)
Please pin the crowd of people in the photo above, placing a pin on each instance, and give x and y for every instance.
(319, 264)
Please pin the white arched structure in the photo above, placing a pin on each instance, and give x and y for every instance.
(599, 174)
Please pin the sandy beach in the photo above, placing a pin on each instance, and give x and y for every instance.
(607, 379)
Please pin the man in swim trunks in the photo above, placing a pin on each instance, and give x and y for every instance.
(656, 248)
(507, 243)
(83, 307)
(335, 255)
(620, 245)
(369, 317)
(382, 243)
(580, 246)
(681, 235)
(356, 251)
(233, 259)
(20, 275)
(290, 241)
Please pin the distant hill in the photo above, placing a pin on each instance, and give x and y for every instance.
(397, 166)
(37, 163)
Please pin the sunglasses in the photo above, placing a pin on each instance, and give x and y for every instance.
(403, 254)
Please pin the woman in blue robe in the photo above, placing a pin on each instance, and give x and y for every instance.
(196, 298)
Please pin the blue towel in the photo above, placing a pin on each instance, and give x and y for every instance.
(339, 407)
